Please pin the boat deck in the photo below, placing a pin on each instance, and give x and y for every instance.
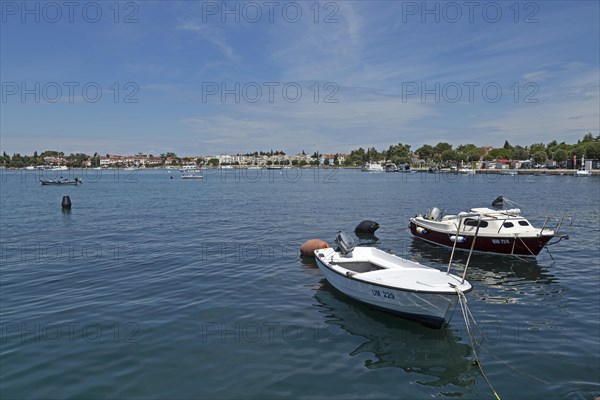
(380, 268)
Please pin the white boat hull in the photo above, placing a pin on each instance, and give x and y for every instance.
(431, 305)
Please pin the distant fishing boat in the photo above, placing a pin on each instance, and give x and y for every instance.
(61, 181)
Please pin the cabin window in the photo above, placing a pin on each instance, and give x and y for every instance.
(523, 223)
(508, 224)
(473, 222)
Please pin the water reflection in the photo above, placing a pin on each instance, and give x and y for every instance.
(367, 238)
(397, 343)
(488, 268)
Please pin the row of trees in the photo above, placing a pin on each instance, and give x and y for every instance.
(539, 153)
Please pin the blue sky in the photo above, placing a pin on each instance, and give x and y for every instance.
(201, 78)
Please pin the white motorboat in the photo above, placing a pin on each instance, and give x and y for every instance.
(391, 167)
(190, 169)
(192, 176)
(372, 167)
(583, 173)
(391, 283)
(493, 230)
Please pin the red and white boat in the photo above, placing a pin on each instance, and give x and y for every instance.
(495, 231)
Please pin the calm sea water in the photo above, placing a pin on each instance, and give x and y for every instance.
(153, 287)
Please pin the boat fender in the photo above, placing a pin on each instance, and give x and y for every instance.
(458, 239)
(367, 226)
(66, 203)
(421, 231)
(309, 247)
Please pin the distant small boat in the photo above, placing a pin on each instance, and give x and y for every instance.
(76, 181)
(583, 173)
(391, 167)
(192, 176)
(190, 169)
(372, 167)
(510, 172)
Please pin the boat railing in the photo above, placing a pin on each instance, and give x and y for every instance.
(460, 220)
(558, 223)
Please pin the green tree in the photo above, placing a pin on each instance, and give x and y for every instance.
(398, 154)
(449, 155)
(441, 147)
(592, 151)
(373, 155)
(588, 138)
(500, 154)
(473, 156)
(520, 153)
(560, 155)
(425, 152)
(539, 157)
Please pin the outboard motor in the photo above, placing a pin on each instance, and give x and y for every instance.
(498, 203)
(344, 243)
(433, 214)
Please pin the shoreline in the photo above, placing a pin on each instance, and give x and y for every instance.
(535, 172)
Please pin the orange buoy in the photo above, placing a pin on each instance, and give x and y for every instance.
(308, 248)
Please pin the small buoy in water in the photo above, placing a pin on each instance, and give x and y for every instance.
(367, 226)
(171, 176)
(66, 203)
(309, 247)
(420, 230)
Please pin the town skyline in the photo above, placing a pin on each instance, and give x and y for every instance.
(588, 146)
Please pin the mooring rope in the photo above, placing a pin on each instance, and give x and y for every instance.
(468, 317)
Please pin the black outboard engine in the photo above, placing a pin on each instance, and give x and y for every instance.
(344, 243)
(498, 203)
